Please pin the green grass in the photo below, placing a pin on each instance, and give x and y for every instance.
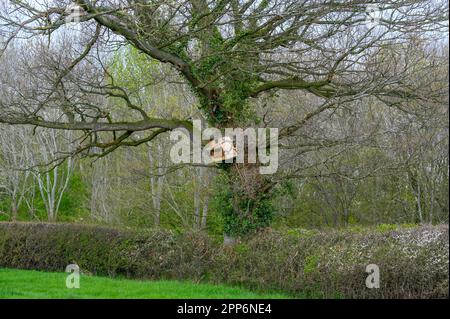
(36, 284)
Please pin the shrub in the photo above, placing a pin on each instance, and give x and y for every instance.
(413, 262)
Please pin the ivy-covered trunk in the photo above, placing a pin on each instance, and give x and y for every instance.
(244, 199)
(243, 196)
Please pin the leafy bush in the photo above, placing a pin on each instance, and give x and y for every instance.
(413, 262)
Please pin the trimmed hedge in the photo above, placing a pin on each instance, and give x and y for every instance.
(413, 262)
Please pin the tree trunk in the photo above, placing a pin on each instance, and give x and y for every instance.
(247, 201)
(156, 183)
(204, 213)
(196, 201)
(14, 208)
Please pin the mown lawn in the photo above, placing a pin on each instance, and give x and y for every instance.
(36, 284)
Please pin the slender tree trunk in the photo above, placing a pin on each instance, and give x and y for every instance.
(156, 183)
(160, 185)
(419, 203)
(14, 208)
(204, 213)
(196, 205)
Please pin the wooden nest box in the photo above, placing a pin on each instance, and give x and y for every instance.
(222, 149)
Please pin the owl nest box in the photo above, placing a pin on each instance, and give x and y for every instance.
(222, 149)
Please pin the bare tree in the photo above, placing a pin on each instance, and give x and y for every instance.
(52, 183)
(15, 178)
(231, 53)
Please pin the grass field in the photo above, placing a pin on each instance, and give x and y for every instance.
(36, 284)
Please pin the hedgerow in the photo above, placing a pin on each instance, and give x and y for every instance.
(413, 262)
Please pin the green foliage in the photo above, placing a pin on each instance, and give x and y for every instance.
(383, 228)
(241, 248)
(252, 213)
(72, 206)
(414, 262)
(73, 203)
(311, 263)
(129, 67)
(232, 86)
(5, 205)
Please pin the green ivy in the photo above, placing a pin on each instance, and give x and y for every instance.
(258, 211)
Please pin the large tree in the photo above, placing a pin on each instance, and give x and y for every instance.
(233, 54)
